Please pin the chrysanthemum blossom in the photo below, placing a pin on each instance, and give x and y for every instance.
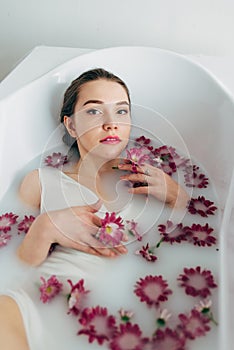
(4, 239)
(172, 232)
(97, 324)
(112, 230)
(200, 235)
(50, 288)
(25, 224)
(6, 221)
(163, 318)
(125, 315)
(194, 325)
(128, 337)
(166, 339)
(56, 160)
(133, 229)
(201, 206)
(164, 153)
(76, 297)
(197, 282)
(146, 253)
(193, 178)
(138, 156)
(152, 290)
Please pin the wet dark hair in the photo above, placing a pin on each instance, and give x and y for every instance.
(71, 95)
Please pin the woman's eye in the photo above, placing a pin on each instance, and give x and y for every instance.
(122, 111)
(94, 111)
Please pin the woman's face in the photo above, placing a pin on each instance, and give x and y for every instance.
(101, 122)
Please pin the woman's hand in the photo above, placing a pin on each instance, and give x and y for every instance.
(73, 227)
(157, 183)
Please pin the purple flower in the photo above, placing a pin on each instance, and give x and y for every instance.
(132, 229)
(76, 297)
(201, 206)
(50, 288)
(147, 253)
(25, 224)
(6, 221)
(56, 160)
(111, 231)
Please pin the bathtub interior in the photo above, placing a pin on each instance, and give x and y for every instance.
(194, 113)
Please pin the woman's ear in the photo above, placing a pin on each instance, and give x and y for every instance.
(69, 124)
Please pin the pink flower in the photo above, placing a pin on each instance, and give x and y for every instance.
(6, 221)
(201, 206)
(165, 153)
(147, 253)
(143, 141)
(194, 325)
(163, 318)
(125, 315)
(4, 238)
(195, 179)
(56, 160)
(167, 339)
(197, 282)
(201, 235)
(128, 337)
(50, 288)
(172, 232)
(25, 224)
(152, 290)
(138, 156)
(97, 324)
(111, 231)
(133, 230)
(76, 297)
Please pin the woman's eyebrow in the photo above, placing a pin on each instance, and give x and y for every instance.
(101, 102)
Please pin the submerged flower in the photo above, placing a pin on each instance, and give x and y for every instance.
(128, 337)
(133, 230)
(201, 235)
(111, 231)
(4, 238)
(76, 297)
(194, 325)
(197, 282)
(125, 315)
(97, 324)
(167, 339)
(152, 290)
(163, 318)
(6, 221)
(147, 253)
(195, 179)
(50, 288)
(56, 160)
(25, 224)
(201, 206)
(165, 155)
(172, 232)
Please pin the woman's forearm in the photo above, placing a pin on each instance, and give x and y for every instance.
(37, 242)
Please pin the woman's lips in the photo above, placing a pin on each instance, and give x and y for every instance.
(112, 140)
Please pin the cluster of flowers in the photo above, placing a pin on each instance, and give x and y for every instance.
(98, 325)
(8, 220)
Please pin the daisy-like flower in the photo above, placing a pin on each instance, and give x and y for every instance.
(4, 239)
(152, 290)
(125, 315)
(205, 308)
(25, 224)
(164, 153)
(143, 141)
(147, 253)
(193, 325)
(6, 221)
(163, 318)
(112, 230)
(137, 156)
(166, 339)
(201, 206)
(97, 324)
(195, 179)
(132, 229)
(128, 337)
(50, 288)
(200, 235)
(197, 282)
(76, 297)
(172, 232)
(56, 160)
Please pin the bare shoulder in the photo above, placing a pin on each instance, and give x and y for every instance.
(30, 189)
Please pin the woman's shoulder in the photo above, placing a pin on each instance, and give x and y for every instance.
(30, 189)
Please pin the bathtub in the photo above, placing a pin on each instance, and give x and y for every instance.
(195, 113)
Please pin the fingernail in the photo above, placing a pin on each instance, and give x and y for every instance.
(120, 165)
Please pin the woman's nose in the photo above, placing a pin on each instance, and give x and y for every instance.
(110, 126)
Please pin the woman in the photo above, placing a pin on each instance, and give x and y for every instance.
(97, 114)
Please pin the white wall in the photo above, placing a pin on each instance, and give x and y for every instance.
(186, 26)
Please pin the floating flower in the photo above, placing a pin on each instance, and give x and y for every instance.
(4, 239)
(97, 324)
(201, 206)
(50, 288)
(142, 140)
(76, 296)
(56, 160)
(128, 337)
(137, 156)
(111, 231)
(125, 315)
(167, 339)
(172, 232)
(195, 179)
(152, 290)
(147, 253)
(6, 221)
(132, 229)
(201, 235)
(194, 325)
(205, 308)
(25, 224)
(163, 318)
(197, 282)
(164, 153)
